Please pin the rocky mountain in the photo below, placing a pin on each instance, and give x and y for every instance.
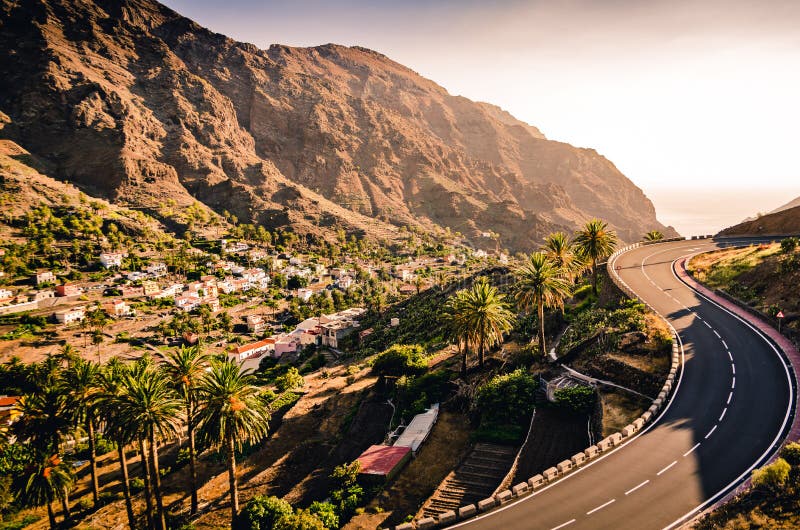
(781, 222)
(135, 103)
(791, 204)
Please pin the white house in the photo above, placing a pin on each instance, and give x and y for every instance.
(112, 259)
(256, 324)
(68, 316)
(45, 277)
(187, 303)
(345, 282)
(254, 349)
(156, 270)
(5, 296)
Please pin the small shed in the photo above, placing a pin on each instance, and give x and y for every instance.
(383, 461)
(418, 429)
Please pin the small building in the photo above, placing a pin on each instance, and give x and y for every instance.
(70, 315)
(187, 303)
(383, 462)
(345, 282)
(112, 259)
(44, 277)
(333, 332)
(394, 322)
(149, 288)
(286, 343)
(254, 349)
(304, 294)
(5, 296)
(256, 324)
(117, 308)
(68, 289)
(417, 431)
(43, 294)
(156, 270)
(407, 289)
(8, 411)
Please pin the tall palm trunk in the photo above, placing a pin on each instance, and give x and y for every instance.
(148, 499)
(481, 351)
(161, 518)
(93, 459)
(594, 276)
(126, 488)
(232, 478)
(192, 456)
(464, 352)
(65, 505)
(540, 308)
(51, 515)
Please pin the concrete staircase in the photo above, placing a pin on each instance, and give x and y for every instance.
(475, 479)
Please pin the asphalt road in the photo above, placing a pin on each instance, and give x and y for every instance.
(730, 412)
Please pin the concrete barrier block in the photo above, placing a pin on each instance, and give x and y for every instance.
(668, 386)
(657, 403)
(467, 511)
(504, 496)
(425, 523)
(578, 459)
(662, 396)
(564, 466)
(404, 526)
(604, 445)
(536, 481)
(447, 517)
(646, 416)
(591, 451)
(520, 489)
(550, 473)
(628, 430)
(638, 423)
(487, 504)
(615, 438)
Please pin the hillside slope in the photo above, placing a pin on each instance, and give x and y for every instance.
(779, 223)
(135, 103)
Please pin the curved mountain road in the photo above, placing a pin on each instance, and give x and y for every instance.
(731, 409)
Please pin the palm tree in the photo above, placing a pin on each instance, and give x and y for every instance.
(151, 406)
(110, 382)
(81, 385)
(455, 328)
(595, 241)
(561, 252)
(540, 284)
(49, 480)
(484, 316)
(230, 414)
(653, 235)
(185, 368)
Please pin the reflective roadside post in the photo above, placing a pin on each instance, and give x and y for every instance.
(779, 316)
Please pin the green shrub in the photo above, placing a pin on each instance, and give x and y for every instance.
(789, 245)
(399, 360)
(136, 485)
(325, 512)
(290, 380)
(183, 457)
(576, 398)
(772, 476)
(791, 453)
(507, 398)
(262, 513)
(302, 520)
(347, 494)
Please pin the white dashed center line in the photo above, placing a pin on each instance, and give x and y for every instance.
(714, 428)
(707, 324)
(636, 487)
(666, 468)
(725, 344)
(590, 512)
(733, 383)
(729, 398)
(563, 525)
(733, 368)
(723, 413)
(730, 356)
(717, 334)
(692, 449)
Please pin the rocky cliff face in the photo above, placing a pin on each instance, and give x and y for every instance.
(135, 103)
(781, 222)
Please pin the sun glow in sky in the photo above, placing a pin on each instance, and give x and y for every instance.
(697, 95)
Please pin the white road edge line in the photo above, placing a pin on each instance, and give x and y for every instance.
(637, 487)
(723, 413)
(692, 449)
(563, 525)
(714, 428)
(590, 512)
(666, 468)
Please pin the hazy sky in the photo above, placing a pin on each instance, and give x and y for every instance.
(696, 94)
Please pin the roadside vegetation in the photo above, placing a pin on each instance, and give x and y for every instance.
(762, 276)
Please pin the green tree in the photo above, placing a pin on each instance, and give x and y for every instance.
(772, 476)
(81, 384)
(231, 413)
(185, 367)
(561, 252)
(290, 380)
(595, 241)
(653, 235)
(399, 360)
(485, 316)
(149, 403)
(262, 513)
(50, 479)
(540, 284)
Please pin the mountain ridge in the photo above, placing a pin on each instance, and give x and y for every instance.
(138, 104)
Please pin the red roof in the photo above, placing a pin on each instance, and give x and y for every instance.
(255, 345)
(8, 401)
(382, 459)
